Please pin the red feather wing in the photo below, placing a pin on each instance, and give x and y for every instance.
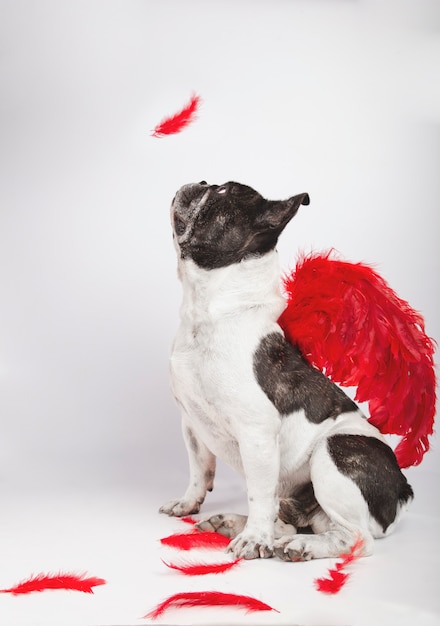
(350, 324)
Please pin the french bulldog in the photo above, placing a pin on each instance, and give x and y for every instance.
(318, 475)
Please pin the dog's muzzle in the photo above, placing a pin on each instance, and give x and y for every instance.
(186, 205)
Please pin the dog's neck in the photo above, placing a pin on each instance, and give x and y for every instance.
(209, 295)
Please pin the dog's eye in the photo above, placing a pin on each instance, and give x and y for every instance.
(221, 189)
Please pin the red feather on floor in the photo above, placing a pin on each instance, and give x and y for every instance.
(195, 539)
(208, 598)
(201, 569)
(351, 325)
(44, 582)
(336, 577)
(188, 520)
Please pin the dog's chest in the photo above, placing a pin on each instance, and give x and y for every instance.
(212, 372)
(199, 380)
(224, 315)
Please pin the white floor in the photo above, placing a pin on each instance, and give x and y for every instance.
(114, 535)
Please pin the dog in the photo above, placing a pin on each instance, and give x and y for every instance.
(318, 475)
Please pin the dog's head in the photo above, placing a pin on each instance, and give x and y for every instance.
(216, 226)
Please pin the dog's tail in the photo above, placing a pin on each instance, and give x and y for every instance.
(351, 325)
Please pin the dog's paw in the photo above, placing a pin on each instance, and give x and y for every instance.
(179, 508)
(321, 545)
(229, 525)
(250, 545)
(290, 548)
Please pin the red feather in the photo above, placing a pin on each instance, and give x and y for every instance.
(201, 569)
(333, 583)
(337, 578)
(208, 598)
(197, 539)
(350, 324)
(188, 520)
(176, 123)
(42, 582)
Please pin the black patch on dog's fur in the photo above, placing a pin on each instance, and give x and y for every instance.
(233, 223)
(293, 384)
(372, 465)
(299, 509)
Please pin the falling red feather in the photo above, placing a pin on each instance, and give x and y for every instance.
(201, 569)
(208, 598)
(43, 582)
(350, 324)
(195, 539)
(177, 122)
(336, 577)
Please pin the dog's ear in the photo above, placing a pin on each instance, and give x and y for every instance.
(279, 212)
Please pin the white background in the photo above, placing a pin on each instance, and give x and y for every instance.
(338, 98)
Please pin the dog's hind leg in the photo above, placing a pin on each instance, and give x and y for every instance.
(339, 519)
(361, 492)
(202, 471)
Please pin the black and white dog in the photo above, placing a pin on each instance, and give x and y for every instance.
(310, 458)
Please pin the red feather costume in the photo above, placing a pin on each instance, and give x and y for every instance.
(351, 325)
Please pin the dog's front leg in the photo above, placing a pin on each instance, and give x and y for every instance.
(201, 475)
(261, 463)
